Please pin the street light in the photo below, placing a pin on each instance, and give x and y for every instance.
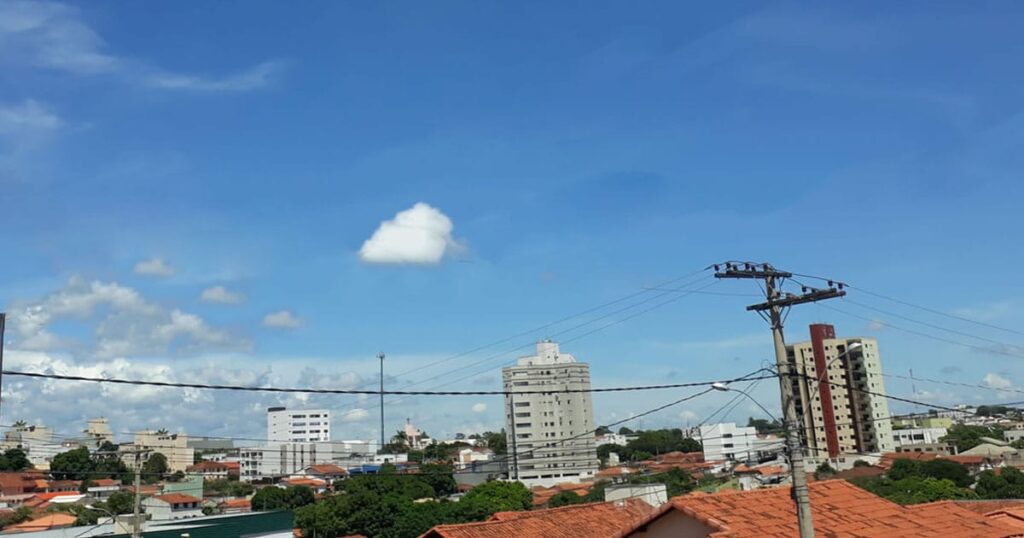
(724, 387)
(73, 499)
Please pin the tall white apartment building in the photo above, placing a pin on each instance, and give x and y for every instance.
(298, 426)
(848, 413)
(550, 435)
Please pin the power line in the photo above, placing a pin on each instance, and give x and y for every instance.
(995, 350)
(169, 384)
(919, 307)
(926, 324)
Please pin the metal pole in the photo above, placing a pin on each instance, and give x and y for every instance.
(3, 320)
(381, 357)
(801, 494)
(136, 511)
(515, 452)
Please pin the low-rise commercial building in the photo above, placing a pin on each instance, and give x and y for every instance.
(172, 506)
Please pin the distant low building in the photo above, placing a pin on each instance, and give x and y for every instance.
(174, 447)
(727, 441)
(209, 470)
(918, 436)
(653, 494)
(172, 506)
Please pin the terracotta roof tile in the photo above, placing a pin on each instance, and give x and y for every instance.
(839, 508)
(577, 521)
(985, 507)
(52, 521)
(177, 498)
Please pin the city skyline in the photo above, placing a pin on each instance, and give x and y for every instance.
(277, 204)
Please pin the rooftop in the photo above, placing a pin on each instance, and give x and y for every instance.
(581, 520)
(839, 509)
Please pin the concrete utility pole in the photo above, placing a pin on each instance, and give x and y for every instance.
(381, 357)
(137, 508)
(3, 320)
(772, 311)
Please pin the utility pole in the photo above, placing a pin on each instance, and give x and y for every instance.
(776, 302)
(515, 453)
(3, 321)
(137, 508)
(381, 357)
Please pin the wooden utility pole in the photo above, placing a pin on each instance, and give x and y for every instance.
(772, 311)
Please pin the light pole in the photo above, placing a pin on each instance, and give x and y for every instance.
(381, 357)
(722, 387)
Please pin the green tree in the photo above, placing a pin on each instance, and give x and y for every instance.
(762, 425)
(495, 496)
(949, 470)
(625, 431)
(904, 468)
(496, 441)
(677, 481)
(20, 515)
(72, 465)
(274, 498)
(440, 477)
(1008, 484)
(14, 459)
(602, 430)
(915, 490)
(967, 437)
(155, 467)
(824, 471)
(121, 502)
(564, 498)
(662, 441)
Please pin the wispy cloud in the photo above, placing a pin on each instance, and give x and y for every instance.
(54, 36)
(253, 78)
(221, 295)
(282, 319)
(987, 312)
(154, 267)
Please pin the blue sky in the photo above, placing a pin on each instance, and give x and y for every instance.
(564, 155)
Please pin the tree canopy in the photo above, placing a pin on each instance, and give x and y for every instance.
(967, 437)
(275, 498)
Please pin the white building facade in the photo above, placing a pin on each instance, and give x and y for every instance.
(918, 436)
(278, 459)
(298, 426)
(727, 441)
(550, 435)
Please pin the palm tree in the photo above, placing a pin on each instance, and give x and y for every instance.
(20, 424)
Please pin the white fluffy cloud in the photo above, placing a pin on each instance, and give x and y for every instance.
(282, 319)
(479, 407)
(419, 235)
(154, 267)
(997, 381)
(221, 295)
(125, 322)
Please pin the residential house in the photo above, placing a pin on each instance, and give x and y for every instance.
(576, 521)
(653, 494)
(471, 455)
(172, 506)
(102, 488)
(209, 470)
(838, 508)
(315, 484)
(326, 472)
(20, 483)
(235, 506)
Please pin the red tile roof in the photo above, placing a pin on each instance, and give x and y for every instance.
(839, 509)
(54, 494)
(984, 507)
(326, 469)
(52, 521)
(106, 482)
(207, 467)
(177, 498)
(966, 459)
(236, 503)
(576, 521)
